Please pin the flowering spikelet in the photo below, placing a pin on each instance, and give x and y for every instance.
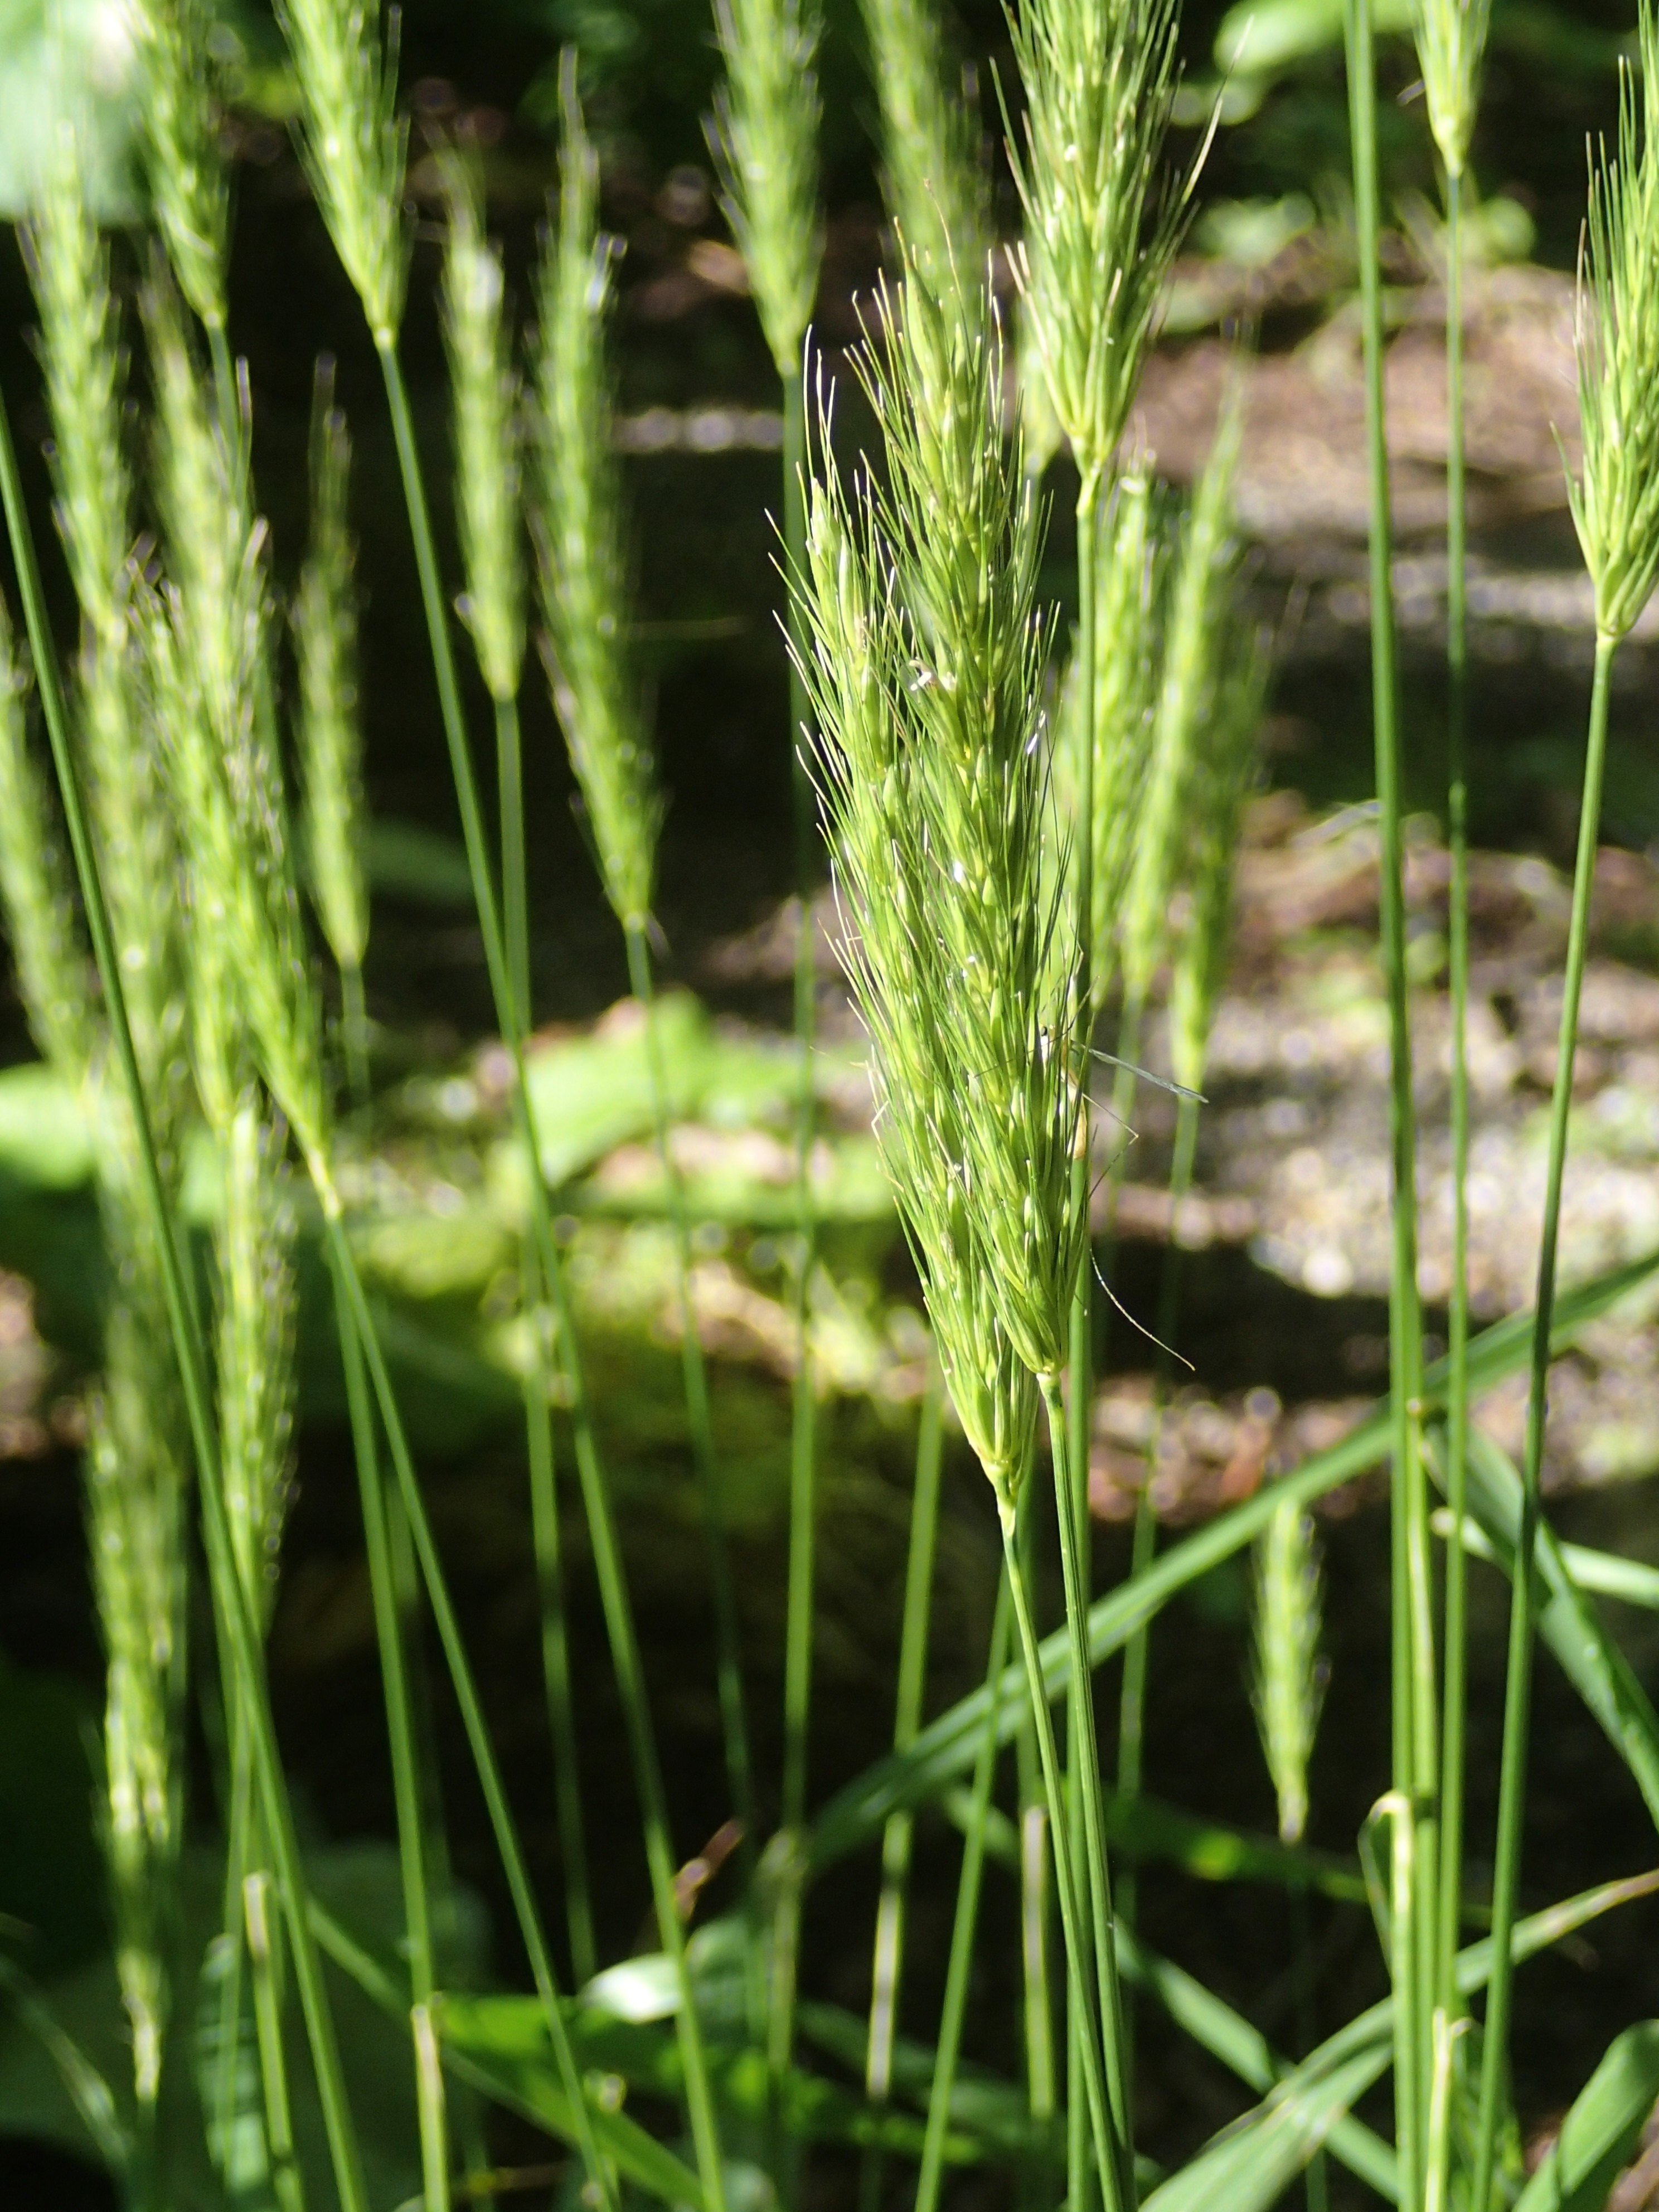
(1200, 632)
(764, 133)
(488, 404)
(1451, 39)
(353, 145)
(1099, 78)
(932, 171)
(923, 659)
(1130, 571)
(1290, 1673)
(254, 1246)
(190, 191)
(1616, 503)
(330, 727)
(54, 977)
(583, 566)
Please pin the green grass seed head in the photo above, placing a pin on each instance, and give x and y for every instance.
(1195, 648)
(932, 167)
(1451, 43)
(488, 404)
(190, 189)
(1289, 1673)
(583, 566)
(353, 144)
(922, 659)
(1099, 78)
(54, 977)
(764, 134)
(254, 1250)
(325, 621)
(1615, 504)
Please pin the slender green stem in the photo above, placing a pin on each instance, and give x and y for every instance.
(1304, 1966)
(234, 1617)
(409, 1810)
(728, 1647)
(1518, 1692)
(804, 1416)
(888, 1966)
(287, 2186)
(225, 395)
(515, 894)
(965, 1921)
(1035, 1899)
(556, 1645)
(1096, 1897)
(354, 1026)
(1415, 1685)
(350, 1289)
(613, 1589)
(1110, 2160)
(1455, 1695)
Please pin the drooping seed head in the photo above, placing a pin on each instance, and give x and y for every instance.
(1451, 43)
(1289, 1673)
(1615, 503)
(1099, 79)
(190, 189)
(583, 566)
(353, 144)
(331, 741)
(764, 134)
(488, 404)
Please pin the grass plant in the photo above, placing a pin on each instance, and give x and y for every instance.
(994, 879)
(1615, 507)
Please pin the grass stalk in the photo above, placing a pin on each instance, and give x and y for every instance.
(728, 1649)
(1105, 2139)
(966, 1917)
(515, 899)
(286, 2184)
(888, 1966)
(1517, 1691)
(1455, 1692)
(1414, 1686)
(235, 1621)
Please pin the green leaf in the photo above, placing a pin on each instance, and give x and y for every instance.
(946, 1749)
(1601, 2133)
(1569, 1619)
(1266, 36)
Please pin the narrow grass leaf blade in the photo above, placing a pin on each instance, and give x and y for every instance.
(1599, 2134)
(944, 1750)
(1249, 2168)
(1569, 1621)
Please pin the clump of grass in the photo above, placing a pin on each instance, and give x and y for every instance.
(330, 733)
(1615, 507)
(923, 662)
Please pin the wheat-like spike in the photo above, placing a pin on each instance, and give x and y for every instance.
(1290, 1673)
(353, 144)
(1194, 646)
(1130, 571)
(923, 658)
(488, 411)
(135, 1507)
(764, 135)
(1615, 503)
(932, 166)
(190, 188)
(1099, 78)
(583, 566)
(254, 1245)
(207, 636)
(1451, 42)
(54, 974)
(331, 745)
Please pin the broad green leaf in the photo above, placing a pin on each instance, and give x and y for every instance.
(946, 1749)
(1264, 36)
(1600, 2135)
(1569, 1621)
